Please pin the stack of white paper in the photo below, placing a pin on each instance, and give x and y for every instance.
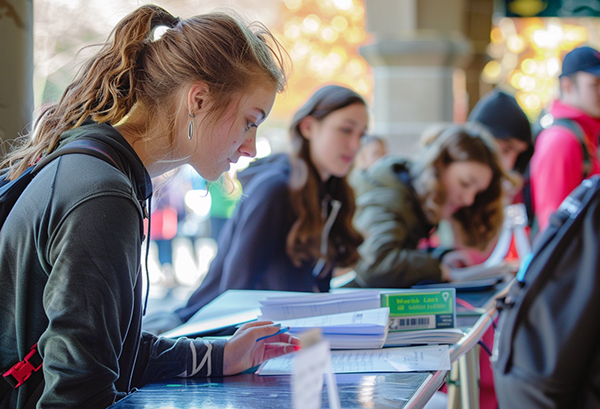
(426, 358)
(285, 308)
(349, 330)
(424, 336)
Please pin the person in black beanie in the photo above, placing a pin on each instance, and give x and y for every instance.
(504, 118)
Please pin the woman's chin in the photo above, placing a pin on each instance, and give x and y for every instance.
(211, 175)
(342, 173)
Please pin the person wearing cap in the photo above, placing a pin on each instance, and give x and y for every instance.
(557, 165)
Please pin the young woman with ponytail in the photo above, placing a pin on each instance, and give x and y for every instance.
(294, 223)
(70, 250)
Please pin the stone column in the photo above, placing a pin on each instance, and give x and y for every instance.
(418, 46)
(478, 26)
(16, 67)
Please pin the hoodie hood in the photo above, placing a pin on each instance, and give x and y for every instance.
(500, 113)
(108, 134)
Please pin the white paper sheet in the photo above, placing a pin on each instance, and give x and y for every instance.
(285, 308)
(356, 322)
(408, 359)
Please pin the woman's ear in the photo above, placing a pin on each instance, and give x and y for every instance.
(197, 96)
(307, 125)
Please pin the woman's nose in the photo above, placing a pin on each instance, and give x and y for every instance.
(509, 160)
(356, 143)
(468, 198)
(248, 148)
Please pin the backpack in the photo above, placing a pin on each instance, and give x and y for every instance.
(576, 130)
(547, 346)
(10, 191)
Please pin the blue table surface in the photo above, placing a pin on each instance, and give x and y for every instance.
(360, 390)
(379, 390)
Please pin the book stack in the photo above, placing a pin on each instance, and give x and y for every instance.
(421, 316)
(347, 321)
(367, 319)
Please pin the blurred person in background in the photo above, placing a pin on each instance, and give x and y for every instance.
(567, 153)
(170, 209)
(501, 114)
(224, 195)
(458, 176)
(372, 148)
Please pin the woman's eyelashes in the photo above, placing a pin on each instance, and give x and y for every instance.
(250, 125)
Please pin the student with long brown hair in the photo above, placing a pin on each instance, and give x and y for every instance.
(458, 176)
(295, 223)
(71, 248)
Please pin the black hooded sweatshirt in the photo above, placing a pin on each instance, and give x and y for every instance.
(70, 279)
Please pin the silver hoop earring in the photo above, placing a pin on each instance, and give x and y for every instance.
(191, 126)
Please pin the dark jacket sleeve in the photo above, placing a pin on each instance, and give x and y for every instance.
(387, 216)
(160, 358)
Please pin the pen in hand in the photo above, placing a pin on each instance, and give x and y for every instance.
(281, 331)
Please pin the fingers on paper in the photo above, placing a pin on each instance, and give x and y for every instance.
(273, 350)
(266, 331)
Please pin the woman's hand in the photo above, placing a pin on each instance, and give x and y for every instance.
(243, 351)
(457, 258)
(446, 273)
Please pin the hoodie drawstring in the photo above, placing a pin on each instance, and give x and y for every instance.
(335, 208)
(148, 252)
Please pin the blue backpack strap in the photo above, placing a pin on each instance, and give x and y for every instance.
(91, 147)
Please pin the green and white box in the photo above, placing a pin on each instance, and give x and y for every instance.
(420, 309)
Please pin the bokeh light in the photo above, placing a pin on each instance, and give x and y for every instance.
(322, 38)
(527, 54)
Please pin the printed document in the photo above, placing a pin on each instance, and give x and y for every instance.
(408, 359)
(286, 308)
